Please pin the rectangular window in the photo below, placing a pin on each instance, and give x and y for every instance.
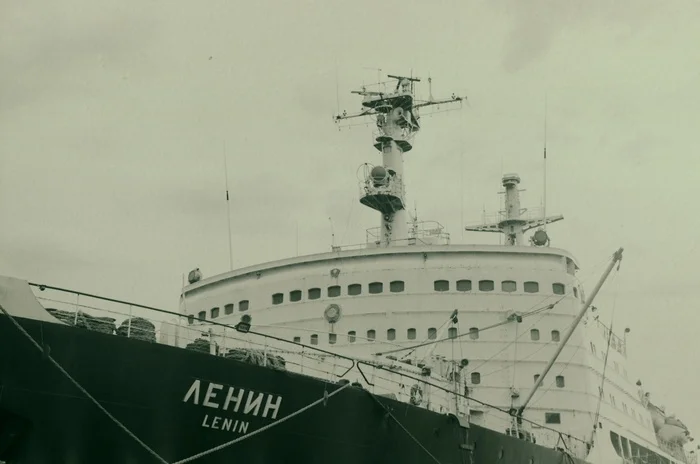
(441, 285)
(376, 287)
(243, 305)
(277, 298)
(396, 286)
(295, 295)
(333, 291)
(509, 286)
(531, 287)
(228, 309)
(354, 289)
(552, 418)
(314, 293)
(486, 285)
(464, 285)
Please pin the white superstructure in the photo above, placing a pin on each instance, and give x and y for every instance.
(515, 302)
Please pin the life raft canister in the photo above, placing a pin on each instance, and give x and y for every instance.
(416, 395)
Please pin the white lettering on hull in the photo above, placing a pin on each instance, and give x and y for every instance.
(225, 424)
(235, 400)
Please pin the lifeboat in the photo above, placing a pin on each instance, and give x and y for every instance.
(674, 431)
(658, 417)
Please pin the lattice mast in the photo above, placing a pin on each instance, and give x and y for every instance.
(397, 120)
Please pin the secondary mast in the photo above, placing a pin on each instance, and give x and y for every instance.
(397, 119)
(511, 221)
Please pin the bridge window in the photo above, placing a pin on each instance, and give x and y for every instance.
(243, 305)
(354, 289)
(441, 285)
(391, 334)
(559, 289)
(214, 313)
(575, 292)
(531, 287)
(332, 338)
(371, 335)
(474, 333)
(625, 447)
(615, 439)
(396, 286)
(411, 334)
(452, 332)
(476, 378)
(333, 291)
(486, 285)
(314, 339)
(464, 285)
(432, 333)
(534, 334)
(297, 339)
(509, 286)
(295, 295)
(552, 418)
(560, 381)
(536, 378)
(314, 293)
(277, 298)
(228, 309)
(352, 336)
(202, 315)
(376, 287)
(555, 335)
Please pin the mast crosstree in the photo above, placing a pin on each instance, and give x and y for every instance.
(511, 221)
(397, 119)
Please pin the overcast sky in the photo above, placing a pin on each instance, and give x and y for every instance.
(114, 117)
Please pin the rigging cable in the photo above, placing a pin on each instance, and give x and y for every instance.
(46, 352)
(389, 413)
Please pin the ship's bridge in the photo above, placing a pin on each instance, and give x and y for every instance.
(381, 290)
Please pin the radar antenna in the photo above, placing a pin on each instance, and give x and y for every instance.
(397, 118)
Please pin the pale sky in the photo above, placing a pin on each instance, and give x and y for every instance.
(114, 117)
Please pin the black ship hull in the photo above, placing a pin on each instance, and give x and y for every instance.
(180, 403)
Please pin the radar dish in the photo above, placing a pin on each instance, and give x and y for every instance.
(379, 175)
(540, 238)
(194, 276)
